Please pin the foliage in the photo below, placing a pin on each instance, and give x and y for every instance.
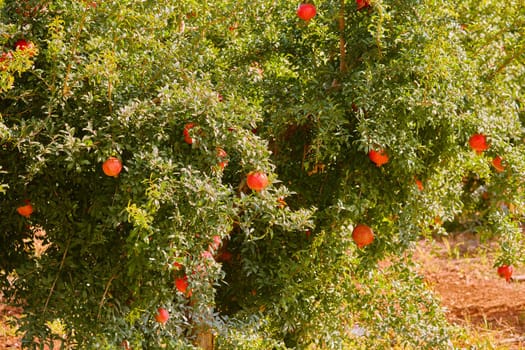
(303, 102)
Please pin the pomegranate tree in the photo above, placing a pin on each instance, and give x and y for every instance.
(273, 154)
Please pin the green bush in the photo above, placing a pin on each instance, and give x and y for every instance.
(303, 102)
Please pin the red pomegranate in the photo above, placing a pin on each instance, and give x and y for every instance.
(478, 142)
(362, 4)
(222, 155)
(181, 283)
(505, 271)
(23, 44)
(362, 235)
(496, 163)
(162, 315)
(186, 132)
(419, 184)
(306, 11)
(112, 166)
(379, 157)
(257, 181)
(25, 210)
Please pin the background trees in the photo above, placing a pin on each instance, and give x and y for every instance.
(164, 86)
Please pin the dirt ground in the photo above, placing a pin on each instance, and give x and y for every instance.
(461, 271)
(8, 338)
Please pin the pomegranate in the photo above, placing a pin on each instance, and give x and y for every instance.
(222, 155)
(505, 271)
(379, 157)
(181, 283)
(362, 4)
(257, 181)
(496, 163)
(24, 45)
(306, 11)
(478, 142)
(419, 184)
(162, 315)
(362, 235)
(112, 166)
(186, 132)
(225, 256)
(25, 210)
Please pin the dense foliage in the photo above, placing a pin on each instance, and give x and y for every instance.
(192, 97)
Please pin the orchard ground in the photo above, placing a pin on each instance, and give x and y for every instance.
(460, 270)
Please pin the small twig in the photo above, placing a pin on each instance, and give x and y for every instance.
(104, 296)
(520, 278)
(57, 276)
(65, 89)
(506, 62)
(511, 340)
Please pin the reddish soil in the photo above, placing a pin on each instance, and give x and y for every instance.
(8, 340)
(462, 272)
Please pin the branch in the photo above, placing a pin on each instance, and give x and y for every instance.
(104, 295)
(58, 274)
(342, 42)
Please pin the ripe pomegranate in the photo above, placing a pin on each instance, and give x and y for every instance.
(379, 157)
(25, 210)
(112, 166)
(306, 11)
(478, 142)
(162, 315)
(181, 283)
(225, 256)
(186, 132)
(496, 162)
(257, 180)
(362, 235)
(362, 4)
(222, 154)
(419, 184)
(24, 45)
(505, 271)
